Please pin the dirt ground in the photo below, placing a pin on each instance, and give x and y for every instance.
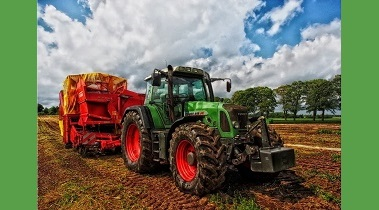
(68, 181)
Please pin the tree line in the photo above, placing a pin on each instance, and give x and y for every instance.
(312, 96)
(47, 111)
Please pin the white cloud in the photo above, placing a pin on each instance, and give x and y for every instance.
(317, 29)
(131, 38)
(310, 59)
(281, 15)
(260, 31)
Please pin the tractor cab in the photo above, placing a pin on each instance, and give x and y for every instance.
(186, 85)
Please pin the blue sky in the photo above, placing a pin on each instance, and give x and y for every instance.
(313, 11)
(253, 42)
(73, 8)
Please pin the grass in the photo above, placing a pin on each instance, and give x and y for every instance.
(336, 157)
(325, 195)
(330, 177)
(72, 191)
(321, 141)
(302, 120)
(329, 131)
(311, 173)
(236, 203)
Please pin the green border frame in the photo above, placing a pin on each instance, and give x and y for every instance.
(18, 156)
(19, 137)
(359, 108)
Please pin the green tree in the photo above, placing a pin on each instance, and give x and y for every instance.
(40, 108)
(296, 97)
(284, 98)
(329, 100)
(225, 100)
(337, 88)
(241, 97)
(320, 96)
(53, 110)
(257, 99)
(266, 100)
(46, 110)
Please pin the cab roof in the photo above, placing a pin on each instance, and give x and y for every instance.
(184, 70)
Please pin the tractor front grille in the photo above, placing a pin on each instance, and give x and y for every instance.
(242, 119)
(237, 113)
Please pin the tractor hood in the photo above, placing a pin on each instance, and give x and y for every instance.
(210, 111)
(201, 108)
(228, 118)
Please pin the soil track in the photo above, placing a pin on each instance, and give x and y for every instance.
(68, 181)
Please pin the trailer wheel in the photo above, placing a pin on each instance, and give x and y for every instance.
(83, 151)
(136, 144)
(68, 145)
(197, 159)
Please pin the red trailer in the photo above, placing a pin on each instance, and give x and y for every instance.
(90, 111)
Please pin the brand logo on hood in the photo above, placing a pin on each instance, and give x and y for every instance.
(195, 113)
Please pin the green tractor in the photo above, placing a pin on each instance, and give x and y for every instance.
(181, 125)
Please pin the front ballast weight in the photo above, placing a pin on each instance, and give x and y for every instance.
(259, 151)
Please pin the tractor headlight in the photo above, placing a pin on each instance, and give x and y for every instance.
(236, 125)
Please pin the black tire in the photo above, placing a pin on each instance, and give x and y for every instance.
(209, 158)
(143, 161)
(83, 151)
(68, 145)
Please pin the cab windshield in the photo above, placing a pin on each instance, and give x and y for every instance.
(192, 89)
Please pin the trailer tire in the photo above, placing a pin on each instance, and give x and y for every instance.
(197, 159)
(68, 145)
(136, 144)
(83, 151)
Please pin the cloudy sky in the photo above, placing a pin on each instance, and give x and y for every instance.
(253, 42)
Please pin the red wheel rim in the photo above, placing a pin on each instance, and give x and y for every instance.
(133, 147)
(185, 169)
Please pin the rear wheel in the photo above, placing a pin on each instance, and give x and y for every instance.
(136, 144)
(197, 159)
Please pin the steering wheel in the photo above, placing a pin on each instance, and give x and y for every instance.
(181, 95)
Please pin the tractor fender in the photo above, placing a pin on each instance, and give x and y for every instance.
(180, 121)
(145, 114)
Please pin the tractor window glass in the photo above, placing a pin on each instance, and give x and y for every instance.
(191, 88)
(149, 92)
(198, 90)
(159, 92)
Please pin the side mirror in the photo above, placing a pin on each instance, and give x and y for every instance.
(156, 76)
(228, 86)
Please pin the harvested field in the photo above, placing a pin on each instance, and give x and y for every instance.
(68, 181)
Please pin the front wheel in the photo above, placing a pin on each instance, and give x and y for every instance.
(136, 144)
(197, 159)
